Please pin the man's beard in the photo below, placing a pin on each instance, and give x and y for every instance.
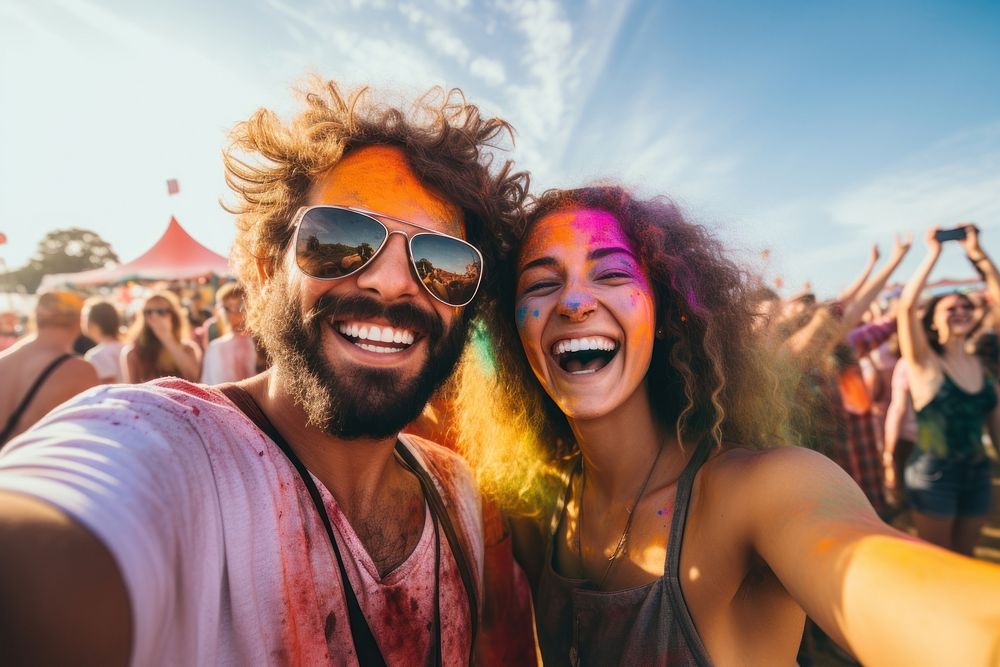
(358, 401)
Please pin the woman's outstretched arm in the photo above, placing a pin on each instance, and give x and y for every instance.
(889, 598)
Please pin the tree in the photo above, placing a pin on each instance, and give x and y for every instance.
(62, 251)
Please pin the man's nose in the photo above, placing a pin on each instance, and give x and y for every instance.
(389, 274)
(576, 305)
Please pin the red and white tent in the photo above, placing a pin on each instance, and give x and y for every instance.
(176, 256)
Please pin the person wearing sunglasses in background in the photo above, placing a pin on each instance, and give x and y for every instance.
(284, 519)
(159, 345)
(233, 355)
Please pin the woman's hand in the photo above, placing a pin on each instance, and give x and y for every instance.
(161, 326)
(972, 248)
(932, 242)
(902, 245)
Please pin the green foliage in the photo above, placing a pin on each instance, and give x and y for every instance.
(61, 251)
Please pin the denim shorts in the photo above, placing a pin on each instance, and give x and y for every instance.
(947, 487)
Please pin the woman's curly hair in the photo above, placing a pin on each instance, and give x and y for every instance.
(450, 146)
(710, 375)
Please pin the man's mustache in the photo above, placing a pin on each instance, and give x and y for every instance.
(361, 307)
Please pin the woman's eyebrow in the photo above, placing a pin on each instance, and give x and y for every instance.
(604, 252)
(541, 261)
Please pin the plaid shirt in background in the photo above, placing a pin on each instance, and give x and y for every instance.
(858, 450)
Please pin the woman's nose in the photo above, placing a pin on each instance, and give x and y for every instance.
(576, 306)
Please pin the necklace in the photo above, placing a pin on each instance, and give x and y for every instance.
(630, 512)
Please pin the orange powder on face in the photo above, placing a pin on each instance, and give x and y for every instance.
(379, 178)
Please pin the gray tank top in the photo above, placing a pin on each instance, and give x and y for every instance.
(645, 625)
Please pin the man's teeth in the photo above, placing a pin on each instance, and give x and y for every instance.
(376, 334)
(577, 344)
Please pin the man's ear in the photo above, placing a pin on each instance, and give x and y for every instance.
(264, 269)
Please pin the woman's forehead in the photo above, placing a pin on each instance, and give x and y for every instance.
(573, 229)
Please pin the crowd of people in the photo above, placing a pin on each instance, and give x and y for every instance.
(73, 343)
(615, 394)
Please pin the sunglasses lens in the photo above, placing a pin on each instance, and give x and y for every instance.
(448, 268)
(333, 243)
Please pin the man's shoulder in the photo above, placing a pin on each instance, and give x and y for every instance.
(440, 460)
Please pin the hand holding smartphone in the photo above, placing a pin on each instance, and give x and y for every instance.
(956, 234)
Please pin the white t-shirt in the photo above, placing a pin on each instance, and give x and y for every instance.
(224, 556)
(107, 359)
(229, 358)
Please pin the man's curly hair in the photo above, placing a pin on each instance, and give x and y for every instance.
(709, 376)
(271, 165)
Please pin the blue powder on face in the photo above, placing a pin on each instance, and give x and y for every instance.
(521, 315)
(534, 313)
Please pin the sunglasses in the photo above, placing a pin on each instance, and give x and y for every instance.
(162, 312)
(334, 242)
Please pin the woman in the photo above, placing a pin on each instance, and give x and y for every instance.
(948, 475)
(633, 322)
(159, 344)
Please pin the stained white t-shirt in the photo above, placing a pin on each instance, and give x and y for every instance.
(229, 358)
(222, 551)
(107, 359)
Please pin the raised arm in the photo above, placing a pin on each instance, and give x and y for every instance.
(862, 301)
(825, 331)
(887, 597)
(913, 344)
(985, 267)
(852, 290)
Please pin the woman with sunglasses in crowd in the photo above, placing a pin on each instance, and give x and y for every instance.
(159, 345)
(948, 474)
(652, 527)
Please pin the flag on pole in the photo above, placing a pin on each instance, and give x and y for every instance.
(173, 187)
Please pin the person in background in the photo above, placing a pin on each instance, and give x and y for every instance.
(159, 345)
(232, 356)
(948, 475)
(41, 371)
(103, 325)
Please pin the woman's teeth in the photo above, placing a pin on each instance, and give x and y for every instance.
(584, 356)
(577, 344)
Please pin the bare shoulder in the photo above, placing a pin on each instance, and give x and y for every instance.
(783, 480)
(444, 465)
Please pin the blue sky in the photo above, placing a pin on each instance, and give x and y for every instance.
(811, 129)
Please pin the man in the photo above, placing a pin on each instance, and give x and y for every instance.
(285, 520)
(41, 370)
(232, 356)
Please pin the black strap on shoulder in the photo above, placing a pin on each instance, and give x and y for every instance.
(23, 405)
(461, 558)
(364, 640)
(365, 646)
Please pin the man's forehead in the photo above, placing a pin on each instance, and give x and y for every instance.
(379, 178)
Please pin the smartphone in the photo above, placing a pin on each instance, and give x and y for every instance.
(957, 234)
